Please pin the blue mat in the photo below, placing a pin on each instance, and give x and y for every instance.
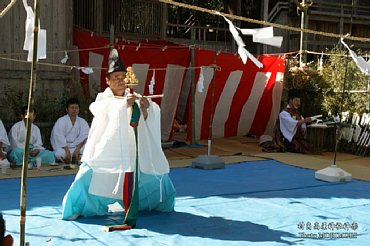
(252, 203)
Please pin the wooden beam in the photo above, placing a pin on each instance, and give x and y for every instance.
(265, 18)
(164, 21)
(99, 16)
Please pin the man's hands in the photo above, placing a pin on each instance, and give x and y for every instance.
(308, 120)
(131, 100)
(143, 103)
(305, 120)
(68, 158)
(2, 155)
(76, 153)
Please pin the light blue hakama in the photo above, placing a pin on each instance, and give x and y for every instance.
(16, 155)
(153, 195)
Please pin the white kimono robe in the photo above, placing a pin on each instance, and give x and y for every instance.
(65, 134)
(288, 125)
(17, 136)
(17, 139)
(5, 141)
(3, 136)
(110, 149)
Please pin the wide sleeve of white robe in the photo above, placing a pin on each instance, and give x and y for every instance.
(36, 139)
(3, 136)
(58, 139)
(151, 155)
(17, 136)
(110, 149)
(82, 131)
(288, 125)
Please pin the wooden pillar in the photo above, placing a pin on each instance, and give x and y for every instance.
(111, 36)
(32, 88)
(99, 16)
(68, 6)
(341, 20)
(164, 21)
(238, 13)
(303, 40)
(265, 18)
(303, 7)
(193, 87)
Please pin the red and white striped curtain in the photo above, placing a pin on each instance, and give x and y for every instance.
(246, 99)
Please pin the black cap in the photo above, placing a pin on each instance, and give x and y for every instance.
(293, 93)
(114, 63)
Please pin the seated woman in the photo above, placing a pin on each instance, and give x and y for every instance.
(17, 139)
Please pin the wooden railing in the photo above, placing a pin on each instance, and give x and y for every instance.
(325, 16)
(149, 19)
(142, 17)
(277, 9)
(326, 8)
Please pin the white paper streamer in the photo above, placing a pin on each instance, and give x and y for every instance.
(28, 41)
(263, 35)
(244, 54)
(65, 59)
(321, 63)
(152, 83)
(363, 65)
(86, 70)
(200, 84)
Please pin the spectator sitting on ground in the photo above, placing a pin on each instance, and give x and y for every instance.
(69, 134)
(17, 140)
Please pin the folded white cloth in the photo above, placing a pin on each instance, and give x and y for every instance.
(4, 162)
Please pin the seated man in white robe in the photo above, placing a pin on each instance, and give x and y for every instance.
(292, 126)
(4, 142)
(111, 152)
(17, 138)
(69, 134)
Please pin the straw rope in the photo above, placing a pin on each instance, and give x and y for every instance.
(192, 7)
(218, 68)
